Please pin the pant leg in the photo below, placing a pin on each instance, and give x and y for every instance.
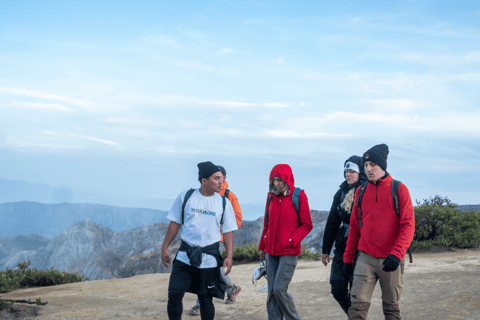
(339, 282)
(392, 287)
(285, 271)
(180, 280)
(364, 280)
(207, 309)
(273, 307)
(229, 283)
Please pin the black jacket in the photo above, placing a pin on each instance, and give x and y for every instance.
(335, 231)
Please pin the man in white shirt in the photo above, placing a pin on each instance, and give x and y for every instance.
(196, 267)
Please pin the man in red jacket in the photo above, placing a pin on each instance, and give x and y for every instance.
(381, 237)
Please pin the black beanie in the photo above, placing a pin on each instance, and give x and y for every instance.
(206, 169)
(377, 154)
(223, 171)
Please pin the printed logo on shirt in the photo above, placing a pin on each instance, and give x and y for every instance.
(205, 212)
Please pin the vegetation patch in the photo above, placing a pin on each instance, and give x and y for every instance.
(439, 222)
(248, 253)
(23, 276)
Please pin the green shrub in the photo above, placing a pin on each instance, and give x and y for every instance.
(307, 254)
(249, 253)
(4, 304)
(421, 245)
(11, 280)
(439, 222)
(244, 254)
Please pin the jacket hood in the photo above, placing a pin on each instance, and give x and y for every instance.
(224, 186)
(285, 172)
(359, 162)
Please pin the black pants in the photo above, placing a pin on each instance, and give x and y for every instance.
(339, 282)
(181, 278)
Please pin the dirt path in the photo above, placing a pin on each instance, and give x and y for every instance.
(437, 286)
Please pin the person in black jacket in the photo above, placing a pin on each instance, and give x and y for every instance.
(337, 226)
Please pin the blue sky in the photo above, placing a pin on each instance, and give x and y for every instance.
(124, 98)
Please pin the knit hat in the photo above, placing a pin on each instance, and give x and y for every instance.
(206, 169)
(377, 154)
(222, 170)
(349, 165)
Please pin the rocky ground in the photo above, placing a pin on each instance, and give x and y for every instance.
(443, 285)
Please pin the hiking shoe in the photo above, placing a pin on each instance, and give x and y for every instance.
(231, 298)
(195, 311)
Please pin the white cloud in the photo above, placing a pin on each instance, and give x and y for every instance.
(227, 50)
(399, 105)
(36, 94)
(441, 60)
(154, 39)
(296, 134)
(107, 142)
(41, 106)
(236, 104)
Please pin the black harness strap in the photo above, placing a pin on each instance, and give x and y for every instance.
(189, 194)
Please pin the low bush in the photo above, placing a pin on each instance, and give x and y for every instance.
(439, 222)
(23, 276)
(249, 253)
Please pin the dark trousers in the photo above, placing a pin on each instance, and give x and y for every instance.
(339, 282)
(182, 276)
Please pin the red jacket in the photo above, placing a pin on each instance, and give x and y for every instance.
(382, 232)
(283, 234)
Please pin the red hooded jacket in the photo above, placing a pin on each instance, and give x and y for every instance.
(382, 232)
(283, 234)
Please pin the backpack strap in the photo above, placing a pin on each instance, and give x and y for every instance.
(268, 207)
(295, 202)
(227, 193)
(359, 202)
(187, 196)
(296, 205)
(224, 203)
(395, 185)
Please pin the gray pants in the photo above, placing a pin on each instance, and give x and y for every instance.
(280, 271)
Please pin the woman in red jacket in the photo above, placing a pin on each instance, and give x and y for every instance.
(283, 231)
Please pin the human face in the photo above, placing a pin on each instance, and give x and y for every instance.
(352, 176)
(374, 171)
(279, 184)
(214, 183)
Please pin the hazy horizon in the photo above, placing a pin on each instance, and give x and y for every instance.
(121, 100)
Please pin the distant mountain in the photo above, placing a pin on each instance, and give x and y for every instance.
(27, 217)
(16, 190)
(100, 253)
(19, 243)
(467, 207)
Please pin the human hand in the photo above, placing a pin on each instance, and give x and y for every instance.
(325, 259)
(165, 258)
(262, 255)
(227, 263)
(390, 263)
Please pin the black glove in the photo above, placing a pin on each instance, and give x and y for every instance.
(391, 263)
(348, 269)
